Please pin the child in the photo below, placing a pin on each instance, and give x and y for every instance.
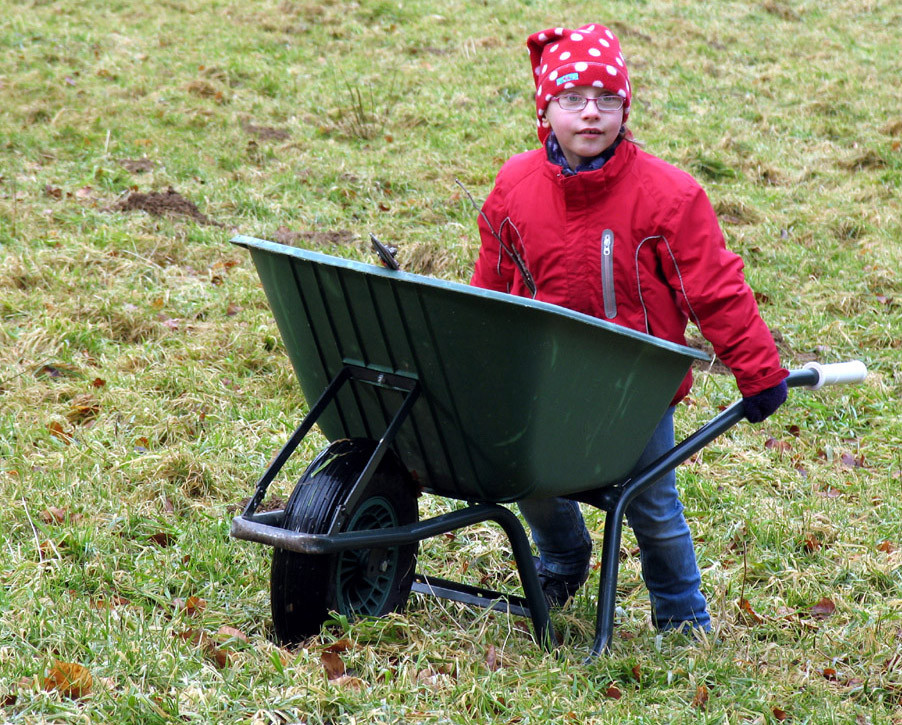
(591, 222)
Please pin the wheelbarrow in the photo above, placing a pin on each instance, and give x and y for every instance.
(424, 385)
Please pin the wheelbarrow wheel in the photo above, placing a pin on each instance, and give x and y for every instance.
(305, 588)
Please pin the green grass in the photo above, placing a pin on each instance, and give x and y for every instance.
(143, 386)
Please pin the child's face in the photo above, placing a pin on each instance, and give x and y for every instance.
(583, 134)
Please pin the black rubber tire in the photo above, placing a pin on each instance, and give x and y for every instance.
(305, 588)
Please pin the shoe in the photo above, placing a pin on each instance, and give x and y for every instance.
(558, 589)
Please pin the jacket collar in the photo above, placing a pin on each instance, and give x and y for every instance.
(555, 155)
(609, 172)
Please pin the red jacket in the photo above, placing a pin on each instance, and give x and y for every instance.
(636, 243)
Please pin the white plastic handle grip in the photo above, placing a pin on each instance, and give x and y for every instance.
(853, 371)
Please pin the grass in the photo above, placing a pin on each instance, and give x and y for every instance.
(143, 386)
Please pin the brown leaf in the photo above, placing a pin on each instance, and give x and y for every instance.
(161, 538)
(51, 371)
(333, 664)
(190, 635)
(779, 714)
(231, 633)
(348, 682)
(98, 383)
(192, 606)
(701, 697)
(341, 645)
(195, 605)
(849, 461)
(749, 614)
(829, 674)
(219, 656)
(812, 543)
(69, 679)
(777, 445)
(56, 430)
(492, 658)
(886, 546)
(637, 673)
(823, 609)
(830, 492)
(613, 692)
(54, 515)
(233, 309)
(83, 409)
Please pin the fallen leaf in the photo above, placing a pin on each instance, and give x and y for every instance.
(812, 543)
(492, 659)
(83, 409)
(195, 605)
(233, 309)
(51, 371)
(54, 515)
(333, 664)
(69, 679)
(823, 609)
(849, 461)
(637, 673)
(829, 674)
(161, 538)
(348, 682)
(830, 492)
(779, 714)
(232, 633)
(748, 613)
(701, 697)
(98, 383)
(220, 657)
(56, 430)
(613, 692)
(887, 547)
(777, 445)
(341, 645)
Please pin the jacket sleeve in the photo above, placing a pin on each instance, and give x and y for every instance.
(709, 283)
(494, 270)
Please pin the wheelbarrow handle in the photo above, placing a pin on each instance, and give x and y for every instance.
(853, 371)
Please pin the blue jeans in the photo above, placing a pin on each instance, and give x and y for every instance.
(666, 551)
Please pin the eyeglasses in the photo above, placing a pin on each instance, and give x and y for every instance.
(576, 102)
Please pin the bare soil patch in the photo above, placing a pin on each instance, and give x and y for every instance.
(167, 203)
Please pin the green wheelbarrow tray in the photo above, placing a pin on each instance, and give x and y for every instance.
(471, 394)
(518, 398)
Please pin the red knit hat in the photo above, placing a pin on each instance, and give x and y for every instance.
(588, 56)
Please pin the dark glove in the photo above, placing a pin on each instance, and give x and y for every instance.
(760, 405)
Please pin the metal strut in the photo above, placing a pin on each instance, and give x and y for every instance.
(616, 499)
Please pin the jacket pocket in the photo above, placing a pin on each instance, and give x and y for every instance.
(607, 274)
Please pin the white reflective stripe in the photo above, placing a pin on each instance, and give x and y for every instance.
(607, 274)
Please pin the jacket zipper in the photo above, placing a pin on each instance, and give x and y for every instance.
(607, 274)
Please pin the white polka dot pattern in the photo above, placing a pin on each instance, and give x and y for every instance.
(562, 58)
